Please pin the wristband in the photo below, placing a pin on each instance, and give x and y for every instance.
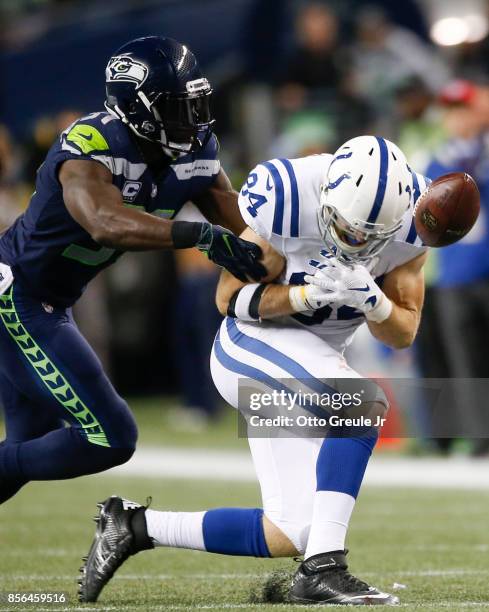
(245, 303)
(186, 234)
(382, 311)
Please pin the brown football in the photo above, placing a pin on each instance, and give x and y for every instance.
(447, 210)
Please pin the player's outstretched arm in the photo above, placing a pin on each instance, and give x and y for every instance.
(267, 299)
(219, 204)
(96, 204)
(404, 287)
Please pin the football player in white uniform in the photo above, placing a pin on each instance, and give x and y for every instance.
(340, 248)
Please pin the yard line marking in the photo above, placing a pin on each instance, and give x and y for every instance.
(228, 465)
(240, 576)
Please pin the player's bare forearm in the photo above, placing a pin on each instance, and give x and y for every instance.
(404, 286)
(399, 330)
(96, 204)
(274, 302)
(219, 204)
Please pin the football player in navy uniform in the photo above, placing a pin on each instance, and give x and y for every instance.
(111, 183)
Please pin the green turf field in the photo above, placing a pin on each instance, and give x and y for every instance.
(434, 543)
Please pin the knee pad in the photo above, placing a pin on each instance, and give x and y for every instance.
(296, 531)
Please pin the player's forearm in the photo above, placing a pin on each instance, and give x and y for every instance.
(99, 209)
(275, 302)
(132, 230)
(102, 213)
(248, 301)
(399, 329)
(221, 207)
(219, 204)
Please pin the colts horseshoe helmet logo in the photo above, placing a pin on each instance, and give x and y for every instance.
(124, 68)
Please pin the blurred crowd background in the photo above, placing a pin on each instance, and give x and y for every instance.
(290, 78)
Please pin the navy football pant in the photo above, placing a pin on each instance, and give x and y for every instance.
(63, 416)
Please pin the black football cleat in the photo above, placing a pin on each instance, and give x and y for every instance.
(324, 579)
(121, 532)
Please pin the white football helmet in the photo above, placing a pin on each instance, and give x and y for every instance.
(368, 189)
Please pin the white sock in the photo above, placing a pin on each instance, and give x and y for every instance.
(330, 517)
(177, 529)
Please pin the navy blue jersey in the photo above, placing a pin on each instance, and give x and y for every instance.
(48, 251)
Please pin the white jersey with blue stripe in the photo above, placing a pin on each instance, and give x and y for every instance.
(279, 201)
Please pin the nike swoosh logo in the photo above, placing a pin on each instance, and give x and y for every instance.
(86, 137)
(326, 564)
(226, 242)
(366, 288)
(269, 186)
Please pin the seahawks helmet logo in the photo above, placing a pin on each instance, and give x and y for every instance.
(124, 68)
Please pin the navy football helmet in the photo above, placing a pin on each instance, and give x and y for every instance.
(155, 86)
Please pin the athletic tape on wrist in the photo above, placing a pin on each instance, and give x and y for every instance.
(382, 311)
(297, 298)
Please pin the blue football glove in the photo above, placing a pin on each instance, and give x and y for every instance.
(238, 256)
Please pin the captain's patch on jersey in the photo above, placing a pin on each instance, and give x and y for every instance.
(131, 190)
(124, 68)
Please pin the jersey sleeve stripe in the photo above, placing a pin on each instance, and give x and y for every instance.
(278, 215)
(417, 191)
(423, 182)
(294, 192)
(412, 235)
(382, 184)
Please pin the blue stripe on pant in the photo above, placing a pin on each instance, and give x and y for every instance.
(267, 352)
(49, 374)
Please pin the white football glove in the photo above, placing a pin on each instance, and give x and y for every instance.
(351, 286)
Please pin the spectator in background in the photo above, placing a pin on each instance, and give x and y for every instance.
(384, 54)
(314, 63)
(471, 60)
(44, 134)
(196, 322)
(305, 133)
(421, 129)
(317, 88)
(13, 195)
(462, 284)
